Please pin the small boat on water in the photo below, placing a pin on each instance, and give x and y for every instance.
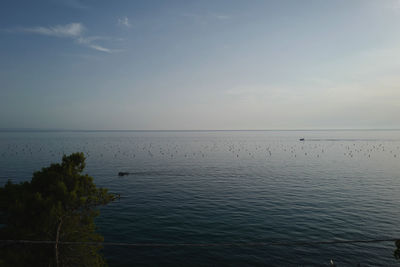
(301, 139)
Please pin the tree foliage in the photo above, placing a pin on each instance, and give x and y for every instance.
(397, 251)
(58, 204)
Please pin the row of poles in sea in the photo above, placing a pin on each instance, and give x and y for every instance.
(236, 149)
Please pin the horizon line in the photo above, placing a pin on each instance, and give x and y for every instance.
(190, 130)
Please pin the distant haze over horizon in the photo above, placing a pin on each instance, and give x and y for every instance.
(199, 65)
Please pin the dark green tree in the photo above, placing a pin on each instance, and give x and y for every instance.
(397, 251)
(58, 204)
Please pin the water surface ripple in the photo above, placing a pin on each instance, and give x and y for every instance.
(233, 187)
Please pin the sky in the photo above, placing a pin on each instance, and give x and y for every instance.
(198, 65)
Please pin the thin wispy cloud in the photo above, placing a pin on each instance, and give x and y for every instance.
(88, 42)
(75, 31)
(124, 21)
(69, 30)
(101, 48)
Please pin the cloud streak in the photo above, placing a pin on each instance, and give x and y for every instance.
(75, 31)
(72, 30)
(89, 42)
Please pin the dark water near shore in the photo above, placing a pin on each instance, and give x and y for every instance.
(229, 187)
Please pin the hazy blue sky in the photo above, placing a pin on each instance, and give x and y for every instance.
(246, 64)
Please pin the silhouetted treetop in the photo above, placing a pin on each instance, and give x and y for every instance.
(58, 204)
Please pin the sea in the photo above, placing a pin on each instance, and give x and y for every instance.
(232, 198)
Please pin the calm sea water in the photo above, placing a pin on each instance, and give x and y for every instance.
(228, 187)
